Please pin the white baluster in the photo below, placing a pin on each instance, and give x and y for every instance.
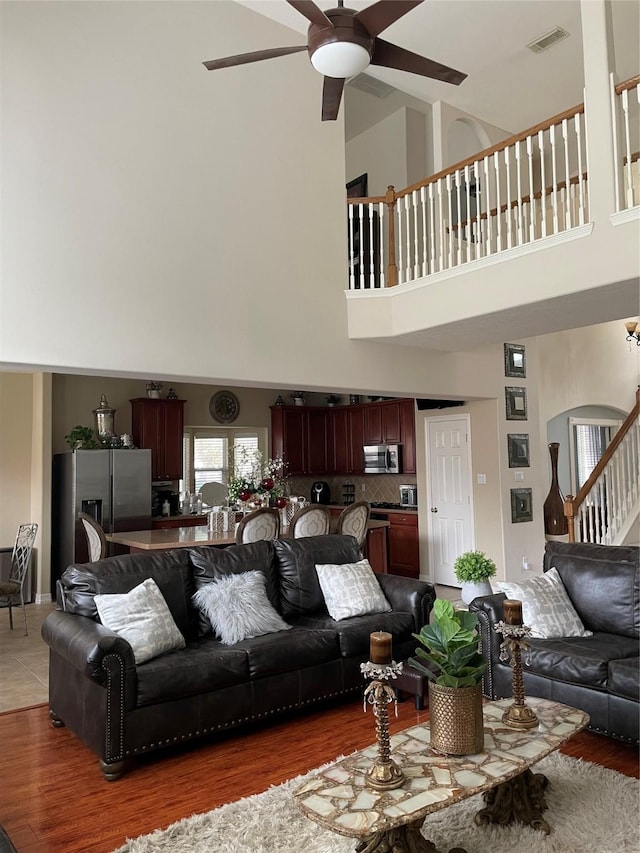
(554, 178)
(416, 232)
(496, 171)
(479, 194)
(543, 194)
(407, 221)
(362, 278)
(507, 163)
(578, 132)
(423, 205)
(532, 198)
(441, 220)
(486, 194)
(450, 219)
(370, 259)
(567, 174)
(467, 183)
(352, 281)
(381, 225)
(627, 150)
(615, 132)
(400, 242)
(458, 231)
(519, 191)
(432, 228)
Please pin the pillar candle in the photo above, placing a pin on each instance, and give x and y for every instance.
(380, 647)
(512, 612)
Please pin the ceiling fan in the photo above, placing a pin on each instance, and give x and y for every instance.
(342, 43)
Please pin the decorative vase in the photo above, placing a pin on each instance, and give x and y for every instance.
(473, 589)
(555, 522)
(455, 719)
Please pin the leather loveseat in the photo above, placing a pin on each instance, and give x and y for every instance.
(121, 710)
(599, 674)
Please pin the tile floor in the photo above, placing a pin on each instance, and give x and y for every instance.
(24, 661)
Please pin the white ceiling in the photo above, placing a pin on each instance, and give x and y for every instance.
(508, 85)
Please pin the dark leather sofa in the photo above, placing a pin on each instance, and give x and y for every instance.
(598, 674)
(121, 710)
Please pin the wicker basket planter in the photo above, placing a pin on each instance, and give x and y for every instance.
(455, 717)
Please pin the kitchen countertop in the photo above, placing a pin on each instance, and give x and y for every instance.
(377, 508)
(186, 537)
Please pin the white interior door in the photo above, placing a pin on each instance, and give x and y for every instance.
(450, 494)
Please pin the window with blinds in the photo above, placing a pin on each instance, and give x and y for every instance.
(209, 454)
(588, 441)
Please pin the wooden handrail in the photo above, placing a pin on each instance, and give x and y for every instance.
(631, 83)
(573, 504)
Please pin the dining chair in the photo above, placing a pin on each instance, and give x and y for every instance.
(263, 523)
(310, 521)
(96, 542)
(20, 559)
(353, 520)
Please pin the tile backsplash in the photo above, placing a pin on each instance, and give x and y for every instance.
(377, 488)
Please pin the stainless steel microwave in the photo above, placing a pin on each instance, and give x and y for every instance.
(381, 458)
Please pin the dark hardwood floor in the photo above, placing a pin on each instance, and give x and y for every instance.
(53, 798)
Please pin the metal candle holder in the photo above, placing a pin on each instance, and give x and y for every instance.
(518, 715)
(384, 774)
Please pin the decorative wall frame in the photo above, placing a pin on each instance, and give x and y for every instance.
(521, 505)
(518, 449)
(516, 403)
(515, 363)
(224, 407)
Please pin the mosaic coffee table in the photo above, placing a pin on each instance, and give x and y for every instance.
(382, 821)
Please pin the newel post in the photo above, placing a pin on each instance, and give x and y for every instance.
(392, 269)
(569, 514)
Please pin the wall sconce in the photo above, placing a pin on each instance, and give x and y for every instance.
(633, 331)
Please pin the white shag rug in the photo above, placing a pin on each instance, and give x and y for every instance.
(591, 810)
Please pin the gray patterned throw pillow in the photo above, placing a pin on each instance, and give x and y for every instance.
(351, 589)
(546, 607)
(238, 607)
(142, 617)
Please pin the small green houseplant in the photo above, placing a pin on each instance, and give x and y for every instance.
(450, 658)
(82, 438)
(473, 569)
(449, 645)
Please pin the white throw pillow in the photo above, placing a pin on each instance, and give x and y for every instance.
(546, 607)
(142, 617)
(351, 589)
(238, 607)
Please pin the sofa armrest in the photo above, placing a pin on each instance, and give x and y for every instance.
(85, 644)
(409, 595)
(489, 610)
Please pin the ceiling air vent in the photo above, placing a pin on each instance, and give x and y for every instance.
(548, 40)
(371, 85)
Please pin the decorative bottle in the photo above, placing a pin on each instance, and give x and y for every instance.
(555, 522)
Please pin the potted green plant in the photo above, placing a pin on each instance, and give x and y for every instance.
(450, 658)
(82, 438)
(473, 569)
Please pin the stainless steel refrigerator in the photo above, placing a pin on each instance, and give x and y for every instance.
(112, 486)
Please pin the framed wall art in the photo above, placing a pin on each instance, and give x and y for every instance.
(514, 361)
(516, 403)
(521, 505)
(518, 448)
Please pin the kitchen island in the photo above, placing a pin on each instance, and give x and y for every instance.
(140, 541)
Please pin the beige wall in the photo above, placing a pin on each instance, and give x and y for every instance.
(16, 427)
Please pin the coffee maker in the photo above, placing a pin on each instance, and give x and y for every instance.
(320, 493)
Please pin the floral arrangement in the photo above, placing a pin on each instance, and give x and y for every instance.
(263, 479)
(474, 566)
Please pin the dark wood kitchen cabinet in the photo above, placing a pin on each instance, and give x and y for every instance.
(345, 440)
(299, 435)
(159, 426)
(393, 422)
(402, 543)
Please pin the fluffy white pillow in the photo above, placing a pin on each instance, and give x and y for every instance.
(351, 589)
(143, 618)
(238, 607)
(546, 607)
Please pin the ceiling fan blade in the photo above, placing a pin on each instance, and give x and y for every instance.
(381, 15)
(256, 56)
(331, 97)
(311, 12)
(391, 56)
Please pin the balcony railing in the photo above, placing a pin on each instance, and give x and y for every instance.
(530, 187)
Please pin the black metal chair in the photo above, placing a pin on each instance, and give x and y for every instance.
(14, 585)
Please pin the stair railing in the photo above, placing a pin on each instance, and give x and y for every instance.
(612, 491)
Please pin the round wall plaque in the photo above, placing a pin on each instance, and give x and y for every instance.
(224, 407)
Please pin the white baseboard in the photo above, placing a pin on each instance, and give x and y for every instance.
(43, 598)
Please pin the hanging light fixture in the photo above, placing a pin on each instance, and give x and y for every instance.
(633, 331)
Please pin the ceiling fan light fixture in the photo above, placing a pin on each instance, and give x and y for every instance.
(340, 59)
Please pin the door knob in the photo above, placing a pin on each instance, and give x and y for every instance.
(434, 509)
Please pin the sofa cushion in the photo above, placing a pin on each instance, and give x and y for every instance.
(237, 607)
(351, 589)
(289, 651)
(205, 665)
(546, 607)
(578, 660)
(605, 593)
(353, 634)
(624, 678)
(171, 570)
(142, 617)
(296, 561)
(212, 563)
